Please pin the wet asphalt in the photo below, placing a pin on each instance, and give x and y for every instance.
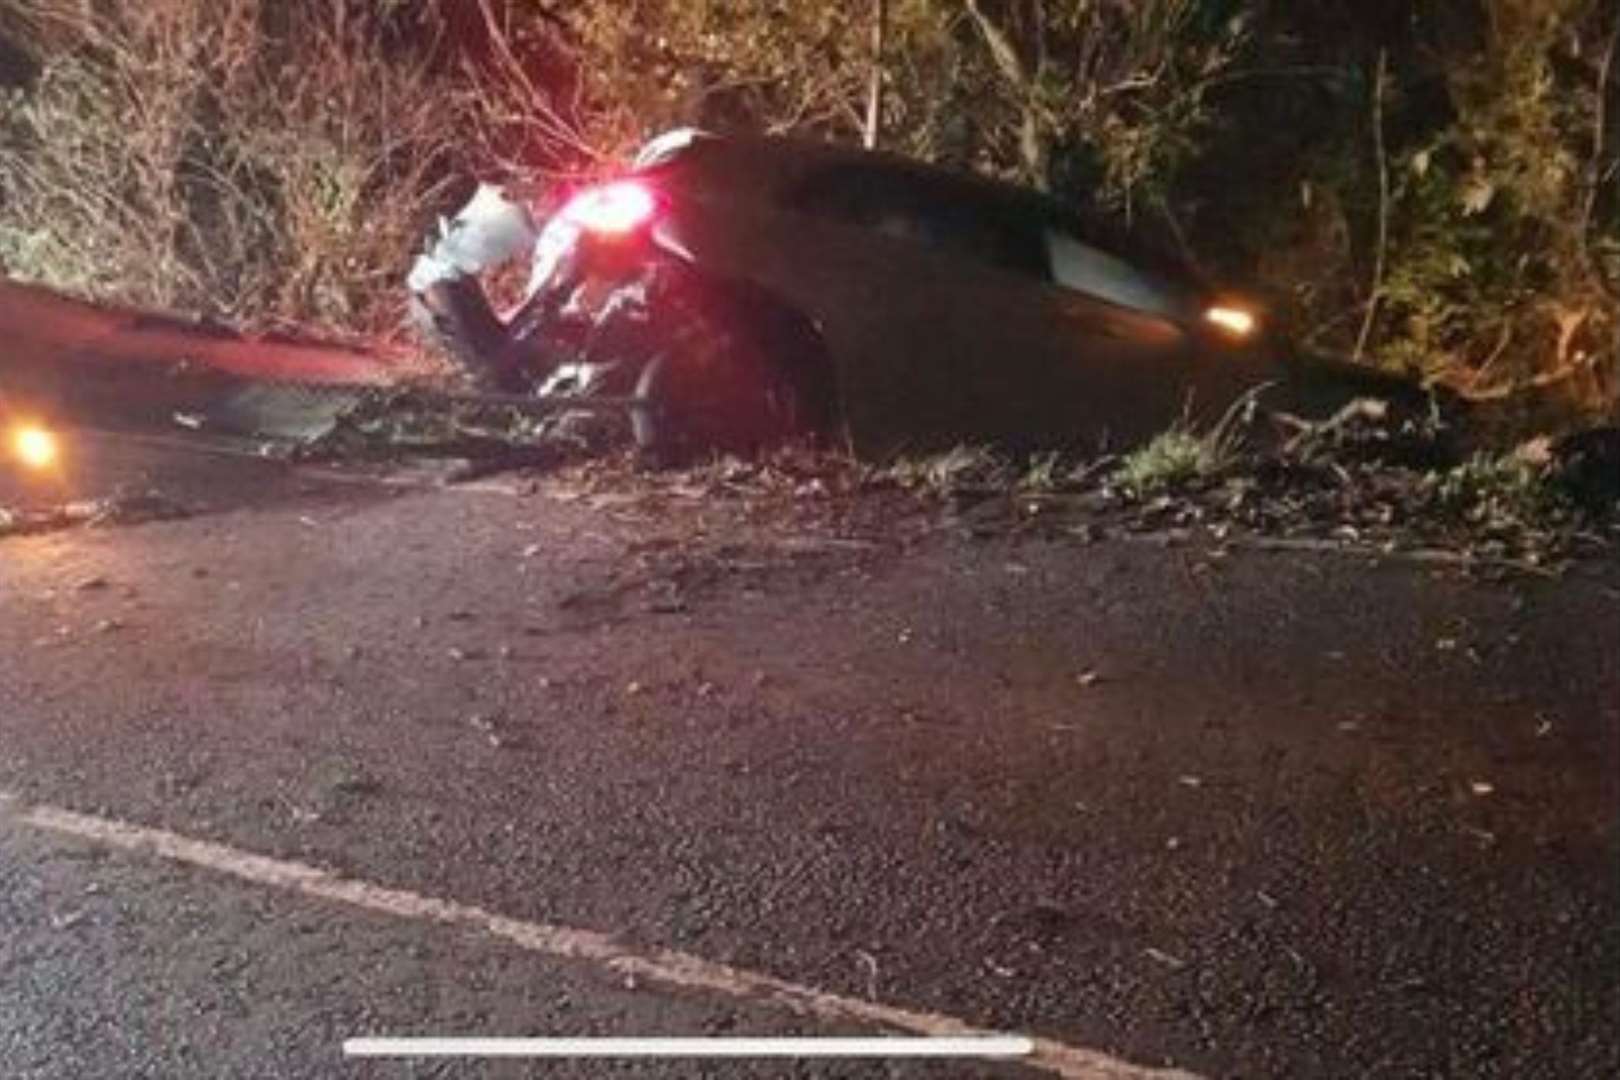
(1260, 814)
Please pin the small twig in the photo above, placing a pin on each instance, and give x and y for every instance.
(1597, 171)
(1383, 207)
(545, 116)
(1291, 71)
(870, 964)
(1557, 375)
(1168, 212)
(874, 87)
(1502, 343)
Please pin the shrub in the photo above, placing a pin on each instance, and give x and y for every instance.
(1490, 488)
(257, 161)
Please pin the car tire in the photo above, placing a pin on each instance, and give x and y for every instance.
(734, 399)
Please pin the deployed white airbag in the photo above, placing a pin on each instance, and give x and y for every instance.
(489, 231)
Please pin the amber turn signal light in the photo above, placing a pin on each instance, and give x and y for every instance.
(1234, 321)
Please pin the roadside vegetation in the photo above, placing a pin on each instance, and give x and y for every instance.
(1168, 460)
(1425, 186)
(263, 163)
(1532, 508)
(1181, 454)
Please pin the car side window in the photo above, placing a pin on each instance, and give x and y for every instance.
(1084, 268)
(915, 209)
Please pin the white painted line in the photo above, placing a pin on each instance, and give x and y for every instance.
(667, 967)
(993, 1046)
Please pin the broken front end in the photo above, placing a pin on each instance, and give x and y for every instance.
(616, 323)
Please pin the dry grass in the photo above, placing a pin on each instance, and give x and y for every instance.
(252, 160)
(1181, 454)
(961, 467)
(1168, 460)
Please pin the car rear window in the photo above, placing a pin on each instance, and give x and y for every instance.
(669, 146)
(948, 217)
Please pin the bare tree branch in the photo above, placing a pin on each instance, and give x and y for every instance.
(1377, 293)
(1031, 136)
(545, 116)
(1600, 169)
(874, 87)
(1002, 49)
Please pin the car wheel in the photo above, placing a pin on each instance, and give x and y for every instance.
(717, 394)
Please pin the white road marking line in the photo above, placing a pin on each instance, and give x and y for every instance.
(667, 967)
(891, 1046)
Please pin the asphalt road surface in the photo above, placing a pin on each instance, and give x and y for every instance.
(335, 757)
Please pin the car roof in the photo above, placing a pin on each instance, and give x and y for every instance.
(773, 166)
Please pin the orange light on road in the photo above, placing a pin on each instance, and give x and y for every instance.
(1234, 321)
(34, 446)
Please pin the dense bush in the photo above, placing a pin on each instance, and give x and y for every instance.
(259, 160)
(1428, 184)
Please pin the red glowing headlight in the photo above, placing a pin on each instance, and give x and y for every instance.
(611, 209)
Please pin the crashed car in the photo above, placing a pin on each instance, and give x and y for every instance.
(731, 292)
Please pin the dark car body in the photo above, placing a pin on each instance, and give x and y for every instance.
(915, 308)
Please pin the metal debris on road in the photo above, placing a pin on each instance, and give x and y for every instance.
(1165, 958)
